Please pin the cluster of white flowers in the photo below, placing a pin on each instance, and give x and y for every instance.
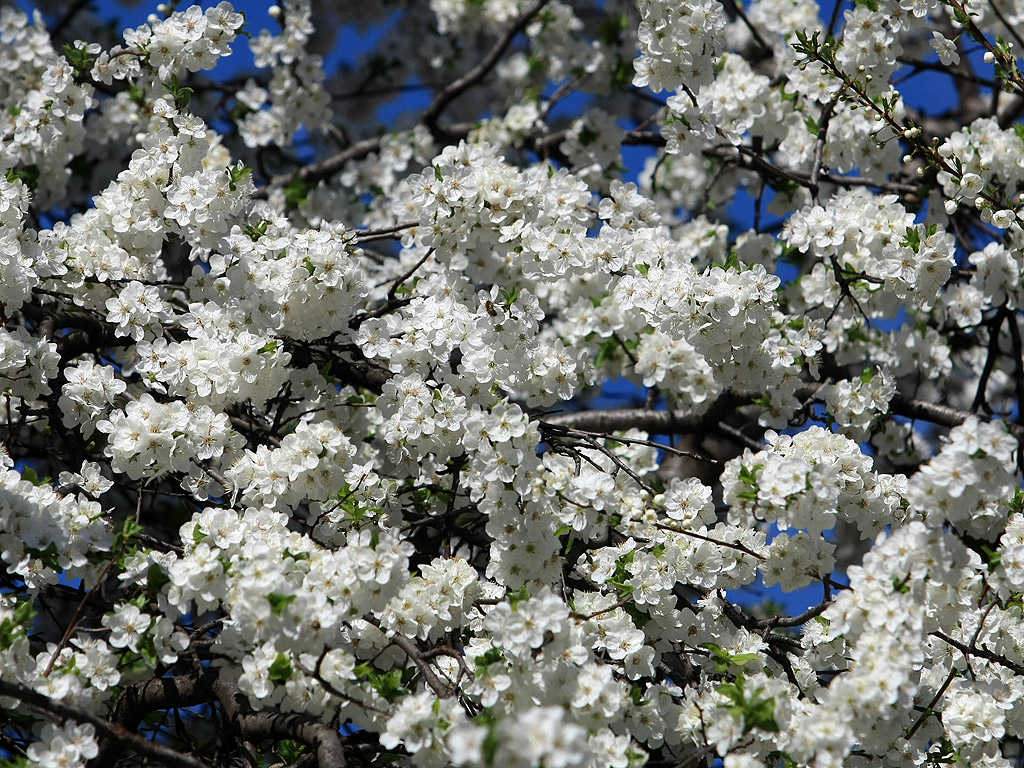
(149, 438)
(435, 602)
(903, 262)
(89, 393)
(982, 153)
(880, 626)
(46, 130)
(310, 463)
(184, 41)
(202, 205)
(44, 534)
(306, 284)
(295, 96)
(738, 101)
(216, 367)
(856, 404)
(420, 418)
(27, 363)
(393, 519)
(66, 746)
(679, 44)
(594, 147)
(808, 481)
(537, 736)
(378, 173)
(18, 272)
(967, 483)
(714, 330)
(510, 129)
(466, 17)
(996, 281)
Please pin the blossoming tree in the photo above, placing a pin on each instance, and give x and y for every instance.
(303, 460)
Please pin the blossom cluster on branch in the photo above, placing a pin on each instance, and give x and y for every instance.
(474, 439)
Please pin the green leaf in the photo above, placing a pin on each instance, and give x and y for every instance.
(389, 685)
(741, 659)
(750, 709)
(611, 28)
(125, 534)
(437, 174)
(29, 175)
(515, 598)
(490, 656)
(640, 618)
(235, 174)
(49, 556)
(912, 239)
(290, 750)
(255, 231)
(490, 745)
(197, 534)
(156, 578)
(993, 557)
(147, 650)
(278, 602)
(748, 475)
(732, 261)
(607, 351)
(867, 375)
(510, 295)
(281, 670)
(17, 624)
(296, 191)
(137, 94)
(181, 94)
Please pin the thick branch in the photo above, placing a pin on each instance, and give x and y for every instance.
(937, 413)
(275, 725)
(127, 738)
(150, 696)
(653, 422)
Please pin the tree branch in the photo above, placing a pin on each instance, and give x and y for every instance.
(937, 413)
(126, 738)
(152, 695)
(479, 72)
(275, 725)
(654, 422)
